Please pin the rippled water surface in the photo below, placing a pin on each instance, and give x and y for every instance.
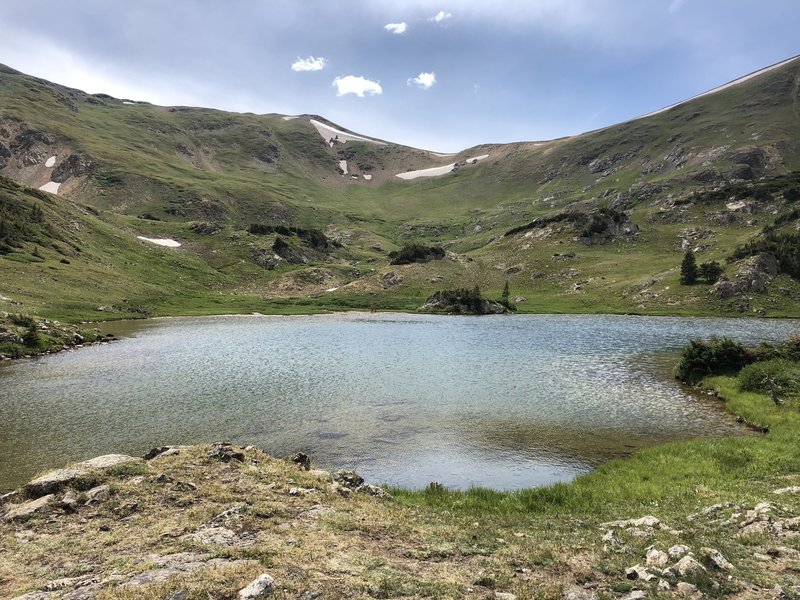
(505, 402)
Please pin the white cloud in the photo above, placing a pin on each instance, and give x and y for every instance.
(356, 85)
(397, 28)
(309, 64)
(441, 16)
(423, 80)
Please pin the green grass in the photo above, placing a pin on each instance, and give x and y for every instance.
(667, 480)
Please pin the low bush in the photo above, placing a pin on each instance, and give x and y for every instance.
(782, 374)
(415, 253)
(717, 356)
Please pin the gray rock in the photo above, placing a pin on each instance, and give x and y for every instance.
(657, 558)
(687, 566)
(302, 459)
(635, 595)
(260, 587)
(795, 489)
(686, 589)
(168, 566)
(68, 582)
(90, 592)
(576, 593)
(348, 479)
(648, 521)
(35, 596)
(373, 490)
(226, 453)
(69, 501)
(638, 572)
(53, 481)
(716, 558)
(98, 494)
(168, 452)
(9, 497)
(678, 550)
(58, 479)
(214, 536)
(505, 596)
(24, 511)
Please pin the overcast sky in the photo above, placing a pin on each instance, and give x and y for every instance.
(442, 75)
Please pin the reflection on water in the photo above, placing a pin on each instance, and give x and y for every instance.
(506, 402)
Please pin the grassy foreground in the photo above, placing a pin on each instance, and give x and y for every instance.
(189, 525)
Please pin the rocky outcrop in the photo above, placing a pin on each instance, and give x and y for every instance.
(58, 479)
(74, 165)
(752, 276)
(462, 302)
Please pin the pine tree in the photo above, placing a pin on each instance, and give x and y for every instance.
(711, 271)
(688, 269)
(506, 293)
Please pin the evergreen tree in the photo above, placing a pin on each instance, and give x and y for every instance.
(506, 293)
(710, 271)
(688, 269)
(31, 337)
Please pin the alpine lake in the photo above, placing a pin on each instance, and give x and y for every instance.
(506, 402)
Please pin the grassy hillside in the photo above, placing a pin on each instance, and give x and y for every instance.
(612, 211)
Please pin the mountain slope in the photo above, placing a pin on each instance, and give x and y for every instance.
(598, 221)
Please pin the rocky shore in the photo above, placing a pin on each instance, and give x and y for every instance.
(222, 521)
(22, 336)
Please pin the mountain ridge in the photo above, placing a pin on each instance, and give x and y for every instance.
(180, 172)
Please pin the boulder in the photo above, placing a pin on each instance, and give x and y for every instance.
(226, 453)
(24, 511)
(56, 480)
(53, 481)
(260, 587)
(348, 479)
(98, 494)
(678, 550)
(687, 566)
(716, 559)
(657, 558)
(302, 459)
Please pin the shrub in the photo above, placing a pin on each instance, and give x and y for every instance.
(31, 337)
(711, 271)
(717, 356)
(412, 253)
(785, 375)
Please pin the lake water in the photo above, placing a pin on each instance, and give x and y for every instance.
(503, 402)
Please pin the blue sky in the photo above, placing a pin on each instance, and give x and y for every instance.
(445, 75)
